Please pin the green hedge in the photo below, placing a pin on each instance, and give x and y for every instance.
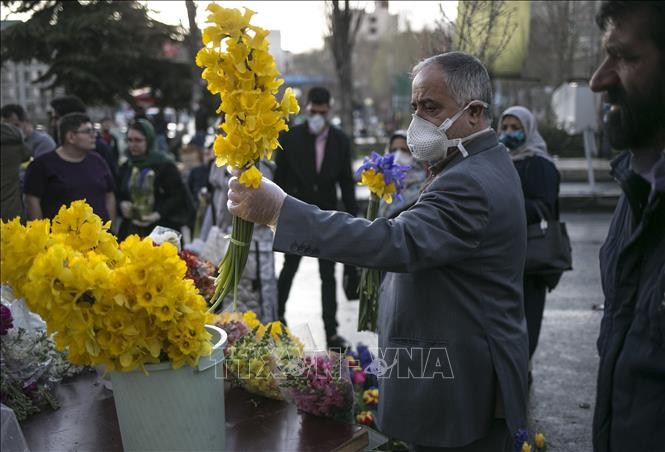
(560, 143)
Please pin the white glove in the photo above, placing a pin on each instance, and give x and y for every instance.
(126, 209)
(261, 205)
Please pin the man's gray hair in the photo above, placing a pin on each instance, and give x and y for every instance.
(466, 77)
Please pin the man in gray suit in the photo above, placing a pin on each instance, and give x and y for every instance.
(451, 322)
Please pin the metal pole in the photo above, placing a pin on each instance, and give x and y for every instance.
(589, 151)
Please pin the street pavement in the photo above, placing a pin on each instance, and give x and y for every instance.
(562, 396)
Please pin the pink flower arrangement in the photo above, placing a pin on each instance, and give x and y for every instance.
(319, 384)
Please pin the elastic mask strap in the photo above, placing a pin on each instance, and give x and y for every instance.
(449, 122)
(462, 149)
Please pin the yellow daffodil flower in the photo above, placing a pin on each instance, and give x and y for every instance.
(539, 440)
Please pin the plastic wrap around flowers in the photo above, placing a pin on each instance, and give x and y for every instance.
(121, 306)
(319, 384)
(256, 351)
(30, 366)
(385, 180)
(239, 67)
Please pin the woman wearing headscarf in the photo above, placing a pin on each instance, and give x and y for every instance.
(540, 183)
(150, 189)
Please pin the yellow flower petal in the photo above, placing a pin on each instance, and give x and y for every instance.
(539, 440)
(251, 178)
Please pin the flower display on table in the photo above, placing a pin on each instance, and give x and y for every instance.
(200, 271)
(385, 180)
(118, 305)
(241, 70)
(30, 366)
(255, 352)
(365, 385)
(318, 383)
(362, 371)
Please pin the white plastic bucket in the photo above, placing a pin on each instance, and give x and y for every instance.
(173, 409)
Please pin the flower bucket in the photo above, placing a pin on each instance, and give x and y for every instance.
(173, 409)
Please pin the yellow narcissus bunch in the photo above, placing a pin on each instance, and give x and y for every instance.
(239, 67)
(152, 287)
(118, 306)
(76, 227)
(20, 245)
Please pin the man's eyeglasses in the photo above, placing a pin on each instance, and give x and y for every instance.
(88, 131)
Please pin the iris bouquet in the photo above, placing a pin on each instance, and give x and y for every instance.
(117, 305)
(256, 351)
(239, 67)
(319, 384)
(385, 180)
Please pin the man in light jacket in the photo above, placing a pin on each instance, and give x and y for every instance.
(451, 320)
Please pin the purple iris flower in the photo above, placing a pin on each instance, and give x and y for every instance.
(386, 165)
(6, 321)
(520, 436)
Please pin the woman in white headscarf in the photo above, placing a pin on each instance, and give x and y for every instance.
(540, 183)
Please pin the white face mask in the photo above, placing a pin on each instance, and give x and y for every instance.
(316, 123)
(403, 158)
(430, 143)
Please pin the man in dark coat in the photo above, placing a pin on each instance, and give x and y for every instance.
(315, 160)
(13, 152)
(452, 332)
(630, 402)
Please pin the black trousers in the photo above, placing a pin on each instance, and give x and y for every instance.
(534, 304)
(328, 290)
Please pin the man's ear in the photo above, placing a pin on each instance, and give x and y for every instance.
(65, 139)
(476, 114)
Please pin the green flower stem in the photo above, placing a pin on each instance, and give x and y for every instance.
(370, 279)
(233, 263)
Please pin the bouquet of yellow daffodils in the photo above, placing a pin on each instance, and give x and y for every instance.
(121, 306)
(239, 67)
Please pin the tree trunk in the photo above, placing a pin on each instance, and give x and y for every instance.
(344, 27)
(193, 44)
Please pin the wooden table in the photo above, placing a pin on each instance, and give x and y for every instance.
(87, 421)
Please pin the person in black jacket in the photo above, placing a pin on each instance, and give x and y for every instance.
(630, 401)
(316, 158)
(540, 184)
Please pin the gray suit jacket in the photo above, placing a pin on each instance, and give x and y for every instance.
(451, 318)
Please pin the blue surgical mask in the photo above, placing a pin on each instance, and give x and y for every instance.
(513, 139)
